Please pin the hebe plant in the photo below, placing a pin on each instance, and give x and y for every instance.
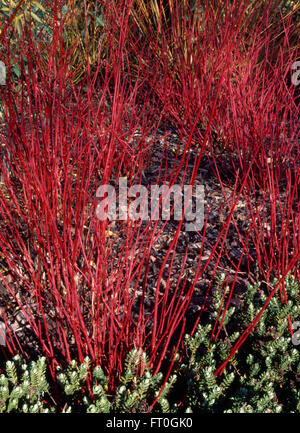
(262, 375)
(26, 388)
(134, 392)
(23, 387)
(60, 151)
(260, 378)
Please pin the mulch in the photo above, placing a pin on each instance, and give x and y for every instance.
(164, 159)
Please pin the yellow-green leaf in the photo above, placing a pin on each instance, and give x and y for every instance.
(38, 5)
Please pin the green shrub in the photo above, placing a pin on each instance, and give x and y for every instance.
(261, 377)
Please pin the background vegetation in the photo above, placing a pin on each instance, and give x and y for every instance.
(89, 87)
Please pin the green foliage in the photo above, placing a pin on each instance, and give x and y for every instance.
(85, 30)
(32, 14)
(23, 387)
(30, 11)
(261, 377)
(137, 389)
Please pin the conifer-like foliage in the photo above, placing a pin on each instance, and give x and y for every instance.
(23, 387)
(261, 377)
